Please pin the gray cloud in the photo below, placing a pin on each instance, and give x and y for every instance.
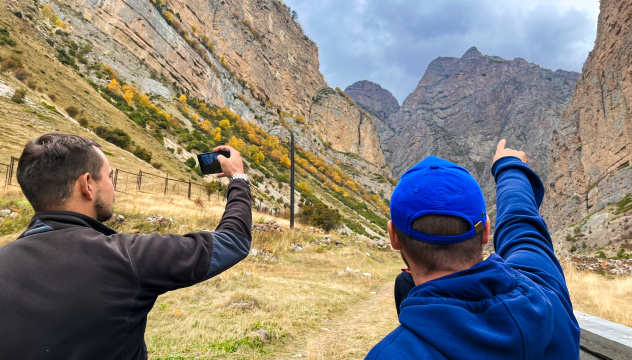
(393, 42)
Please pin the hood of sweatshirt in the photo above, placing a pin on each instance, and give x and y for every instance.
(487, 309)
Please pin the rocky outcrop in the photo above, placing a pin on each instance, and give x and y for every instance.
(569, 74)
(375, 100)
(462, 107)
(592, 147)
(258, 40)
(347, 129)
(262, 45)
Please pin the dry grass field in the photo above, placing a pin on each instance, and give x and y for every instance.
(606, 297)
(297, 297)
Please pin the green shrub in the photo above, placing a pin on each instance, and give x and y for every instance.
(142, 154)
(320, 215)
(190, 162)
(66, 59)
(5, 38)
(18, 96)
(115, 136)
(83, 122)
(72, 111)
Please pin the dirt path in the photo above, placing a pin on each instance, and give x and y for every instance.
(354, 333)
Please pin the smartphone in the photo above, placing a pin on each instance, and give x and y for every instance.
(209, 163)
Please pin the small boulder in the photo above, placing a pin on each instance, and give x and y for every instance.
(260, 334)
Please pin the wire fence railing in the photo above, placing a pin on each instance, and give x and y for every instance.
(143, 182)
(140, 182)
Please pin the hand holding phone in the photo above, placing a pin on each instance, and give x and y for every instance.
(209, 164)
(229, 164)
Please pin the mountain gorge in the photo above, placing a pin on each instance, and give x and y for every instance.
(463, 106)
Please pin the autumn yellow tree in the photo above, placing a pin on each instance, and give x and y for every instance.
(285, 160)
(196, 118)
(302, 186)
(129, 92)
(169, 16)
(258, 157)
(236, 144)
(144, 100)
(114, 87)
(224, 124)
(206, 125)
(111, 72)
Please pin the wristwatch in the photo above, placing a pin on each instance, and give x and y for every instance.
(241, 176)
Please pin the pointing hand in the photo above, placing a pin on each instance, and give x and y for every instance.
(502, 152)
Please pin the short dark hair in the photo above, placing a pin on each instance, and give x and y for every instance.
(441, 257)
(50, 165)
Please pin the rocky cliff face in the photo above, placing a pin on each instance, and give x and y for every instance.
(257, 62)
(463, 107)
(375, 100)
(349, 130)
(258, 41)
(593, 143)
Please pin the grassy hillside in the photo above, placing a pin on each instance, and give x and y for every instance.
(66, 88)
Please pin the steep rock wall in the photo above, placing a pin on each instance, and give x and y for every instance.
(593, 147)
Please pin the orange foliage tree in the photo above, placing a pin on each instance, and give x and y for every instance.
(114, 87)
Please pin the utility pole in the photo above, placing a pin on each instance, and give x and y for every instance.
(291, 180)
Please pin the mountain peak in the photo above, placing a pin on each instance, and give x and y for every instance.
(471, 53)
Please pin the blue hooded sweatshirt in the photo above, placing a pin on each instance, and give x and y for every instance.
(514, 305)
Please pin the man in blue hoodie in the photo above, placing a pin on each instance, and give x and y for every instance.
(514, 305)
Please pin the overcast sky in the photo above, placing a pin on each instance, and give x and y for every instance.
(391, 42)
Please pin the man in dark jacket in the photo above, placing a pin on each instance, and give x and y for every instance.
(72, 288)
(514, 305)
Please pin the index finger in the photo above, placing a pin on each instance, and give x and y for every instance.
(501, 145)
(224, 147)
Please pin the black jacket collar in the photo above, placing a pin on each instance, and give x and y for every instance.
(57, 220)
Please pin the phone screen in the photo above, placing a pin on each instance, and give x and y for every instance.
(209, 163)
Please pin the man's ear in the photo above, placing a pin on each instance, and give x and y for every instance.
(486, 231)
(395, 244)
(86, 186)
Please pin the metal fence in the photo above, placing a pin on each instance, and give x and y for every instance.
(8, 172)
(140, 182)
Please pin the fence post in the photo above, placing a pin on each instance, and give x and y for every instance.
(140, 178)
(166, 183)
(115, 178)
(11, 169)
(189, 188)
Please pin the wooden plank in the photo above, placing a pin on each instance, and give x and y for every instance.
(604, 338)
(584, 355)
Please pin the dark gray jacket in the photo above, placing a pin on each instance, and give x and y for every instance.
(72, 288)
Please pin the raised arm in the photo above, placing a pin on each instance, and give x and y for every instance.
(166, 262)
(521, 236)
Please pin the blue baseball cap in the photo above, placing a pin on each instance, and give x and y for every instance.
(437, 186)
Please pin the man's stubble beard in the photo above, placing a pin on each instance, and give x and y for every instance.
(103, 214)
